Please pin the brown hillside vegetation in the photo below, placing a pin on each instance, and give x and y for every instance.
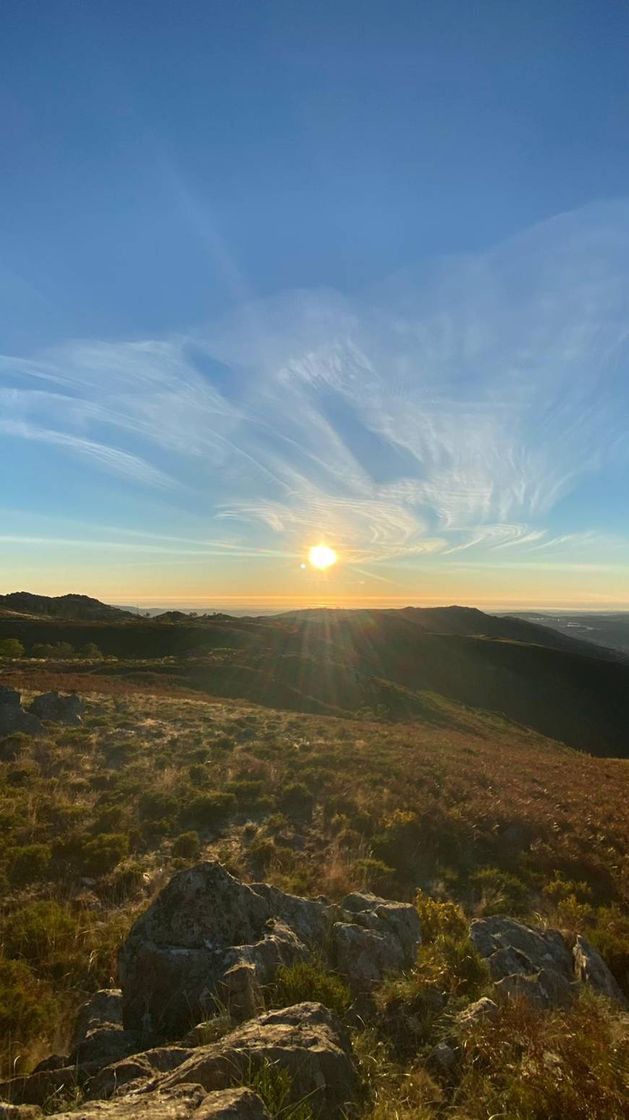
(466, 808)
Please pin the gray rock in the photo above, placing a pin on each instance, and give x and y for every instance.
(232, 1104)
(537, 963)
(307, 917)
(13, 717)
(59, 708)
(172, 962)
(399, 920)
(443, 1059)
(133, 1071)
(543, 989)
(590, 968)
(365, 956)
(307, 1040)
(542, 948)
(41, 1087)
(103, 1008)
(183, 957)
(481, 1009)
(186, 1102)
(242, 992)
(104, 1045)
(280, 945)
(20, 1111)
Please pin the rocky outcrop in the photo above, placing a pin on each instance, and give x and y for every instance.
(58, 708)
(307, 1040)
(211, 940)
(188, 1102)
(13, 717)
(538, 963)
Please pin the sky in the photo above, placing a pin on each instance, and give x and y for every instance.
(279, 274)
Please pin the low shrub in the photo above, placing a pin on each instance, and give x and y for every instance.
(544, 1065)
(274, 1085)
(187, 845)
(27, 1009)
(102, 853)
(310, 981)
(155, 805)
(38, 932)
(29, 864)
(207, 810)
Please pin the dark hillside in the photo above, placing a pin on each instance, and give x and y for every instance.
(372, 662)
(61, 606)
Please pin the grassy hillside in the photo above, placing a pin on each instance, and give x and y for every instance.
(461, 805)
(371, 662)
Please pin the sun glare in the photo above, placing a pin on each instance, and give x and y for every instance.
(321, 556)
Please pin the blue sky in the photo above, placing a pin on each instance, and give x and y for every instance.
(275, 273)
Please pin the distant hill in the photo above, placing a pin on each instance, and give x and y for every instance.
(392, 663)
(60, 606)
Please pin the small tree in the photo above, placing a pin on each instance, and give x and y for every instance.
(11, 647)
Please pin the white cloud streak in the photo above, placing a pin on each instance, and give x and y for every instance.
(436, 416)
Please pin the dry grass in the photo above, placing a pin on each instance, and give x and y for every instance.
(316, 804)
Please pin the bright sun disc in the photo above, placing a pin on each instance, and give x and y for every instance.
(322, 557)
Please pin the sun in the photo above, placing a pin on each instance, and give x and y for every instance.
(322, 557)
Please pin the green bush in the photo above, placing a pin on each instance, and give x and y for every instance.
(38, 931)
(310, 981)
(375, 874)
(27, 1009)
(187, 845)
(156, 806)
(207, 810)
(499, 892)
(11, 647)
(296, 800)
(29, 864)
(274, 1085)
(102, 853)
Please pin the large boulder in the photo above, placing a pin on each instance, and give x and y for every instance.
(173, 961)
(307, 1040)
(59, 708)
(538, 963)
(510, 946)
(13, 717)
(210, 941)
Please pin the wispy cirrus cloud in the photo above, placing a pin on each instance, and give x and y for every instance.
(444, 414)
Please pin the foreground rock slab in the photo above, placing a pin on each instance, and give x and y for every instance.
(307, 1040)
(185, 1103)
